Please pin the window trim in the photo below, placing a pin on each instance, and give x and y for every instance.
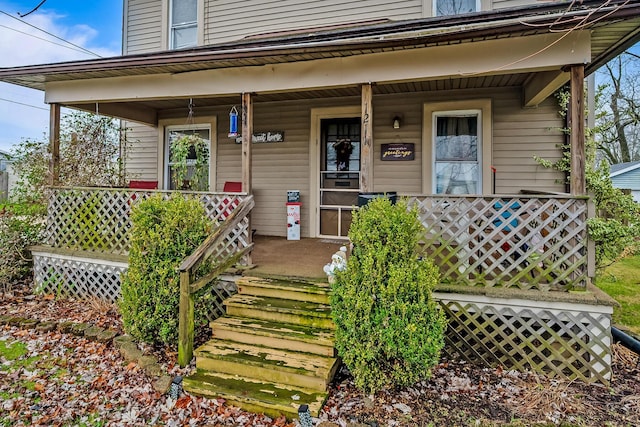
(166, 24)
(164, 126)
(430, 111)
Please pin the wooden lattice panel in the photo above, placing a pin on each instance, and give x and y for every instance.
(566, 340)
(98, 219)
(77, 277)
(215, 295)
(525, 242)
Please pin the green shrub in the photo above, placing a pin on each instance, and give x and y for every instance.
(21, 226)
(389, 330)
(164, 233)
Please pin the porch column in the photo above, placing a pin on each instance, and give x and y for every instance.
(366, 143)
(54, 144)
(578, 155)
(247, 133)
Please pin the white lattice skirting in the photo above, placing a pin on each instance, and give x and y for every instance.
(77, 276)
(562, 337)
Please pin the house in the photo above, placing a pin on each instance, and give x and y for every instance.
(445, 102)
(5, 168)
(626, 176)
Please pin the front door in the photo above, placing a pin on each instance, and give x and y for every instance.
(339, 174)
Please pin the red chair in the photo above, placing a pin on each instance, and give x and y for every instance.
(142, 185)
(228, 205)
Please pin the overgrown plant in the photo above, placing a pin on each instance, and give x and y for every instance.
(616, 225)
(389, 329)
(190, 162)
(164, 232)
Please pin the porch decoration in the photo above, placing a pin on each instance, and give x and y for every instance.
(338, 263)
(233, 122)
(190, 162)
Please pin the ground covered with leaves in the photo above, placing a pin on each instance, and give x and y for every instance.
(53, 378)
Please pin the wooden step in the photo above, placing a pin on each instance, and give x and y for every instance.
(280, 310)
(285, 289)
(292, 368)
(255, 396)
(275, 335)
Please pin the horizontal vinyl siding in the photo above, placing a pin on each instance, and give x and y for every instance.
(144, 26)
(519, 135)
(501, 4)
(629, 180)
(142, 158)
(227, 20)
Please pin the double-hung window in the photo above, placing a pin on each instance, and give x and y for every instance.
(183, 23)
(457, 152)
(455, 7)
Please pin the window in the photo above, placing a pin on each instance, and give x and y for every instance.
(173, 133)
(457, 152)
(455, 7)
(183, 15)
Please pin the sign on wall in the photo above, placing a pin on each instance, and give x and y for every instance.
(397, 151)
(264, 137)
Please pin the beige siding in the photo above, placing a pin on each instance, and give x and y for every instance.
(501, 4)
(143, 29)
(227, 20)
(142, 158)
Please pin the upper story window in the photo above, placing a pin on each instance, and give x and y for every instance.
(455, 7)
(183, 23)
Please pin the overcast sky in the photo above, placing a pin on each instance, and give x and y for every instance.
(93, 24)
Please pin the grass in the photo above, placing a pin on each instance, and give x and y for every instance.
(622, 282)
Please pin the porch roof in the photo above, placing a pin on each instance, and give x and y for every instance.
(615, 26)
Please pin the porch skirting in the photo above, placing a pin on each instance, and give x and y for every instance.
(554, 333)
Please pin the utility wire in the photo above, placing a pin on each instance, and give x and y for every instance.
(22, 103)
(50, 34)
(43, 39)
(32, 10)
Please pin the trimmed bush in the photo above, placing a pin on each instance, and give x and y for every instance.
(389, 329)
(164, 233)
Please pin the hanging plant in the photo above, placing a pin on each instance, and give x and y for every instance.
(190, 162)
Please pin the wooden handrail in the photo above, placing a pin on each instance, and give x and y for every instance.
(189, 265)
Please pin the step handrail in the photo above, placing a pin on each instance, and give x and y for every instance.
(186, 322)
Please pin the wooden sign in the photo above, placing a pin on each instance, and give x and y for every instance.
(264, 137)
(401, 151)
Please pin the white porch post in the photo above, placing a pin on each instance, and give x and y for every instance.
(54, 143)
(578, 162)
(366, 146)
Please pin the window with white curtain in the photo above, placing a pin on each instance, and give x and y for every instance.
(457, 152)
(455, 7)
(183, 16)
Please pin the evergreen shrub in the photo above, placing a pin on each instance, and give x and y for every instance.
(389, 330)
(164, 233)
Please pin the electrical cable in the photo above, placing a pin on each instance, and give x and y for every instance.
(50, 34)
(32, 10)
(41, 38)
(22, 103)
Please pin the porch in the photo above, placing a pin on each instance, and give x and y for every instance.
(515, 269)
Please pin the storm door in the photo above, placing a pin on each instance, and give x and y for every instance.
(339, 174)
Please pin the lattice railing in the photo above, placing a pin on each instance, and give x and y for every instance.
(560, 339)
(98, 219)
(527, 242)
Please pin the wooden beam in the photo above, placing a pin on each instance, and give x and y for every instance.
(122, 110)
(366, 139)
(54, 144)
(578, 152)
(542, 85)
(247, 132)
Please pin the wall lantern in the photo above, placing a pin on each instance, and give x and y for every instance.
(233, 122)
(397, 121)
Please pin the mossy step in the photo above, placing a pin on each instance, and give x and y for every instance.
(286, 289)
(255, 396)
(274, 334)
(280, 310)
(267, 364)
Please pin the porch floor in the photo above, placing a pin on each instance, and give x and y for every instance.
(278, 256)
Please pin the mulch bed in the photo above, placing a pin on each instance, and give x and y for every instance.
(75, 381)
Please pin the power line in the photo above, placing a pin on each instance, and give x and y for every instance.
(41, 38)
(50, 34)
(22, 103)
(32, 10)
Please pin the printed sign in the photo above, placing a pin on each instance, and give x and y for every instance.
(401, 151)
